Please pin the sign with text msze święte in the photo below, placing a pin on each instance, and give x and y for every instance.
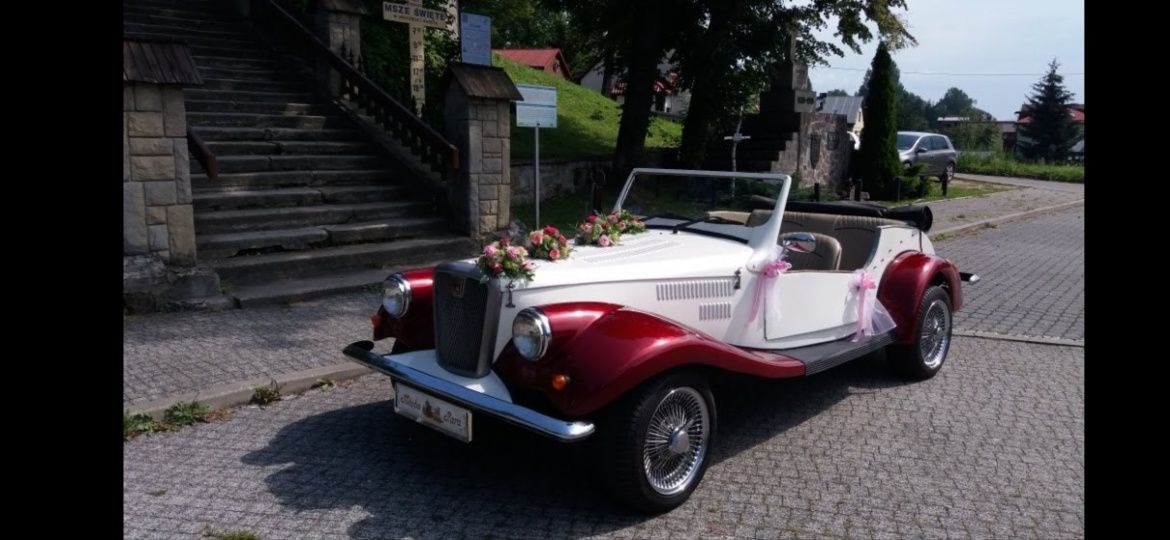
(538, 108)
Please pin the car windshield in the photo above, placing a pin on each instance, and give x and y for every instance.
(906, 142)
(688, 200)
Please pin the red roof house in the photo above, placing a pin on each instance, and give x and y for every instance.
(546, 60)
(1075, 110)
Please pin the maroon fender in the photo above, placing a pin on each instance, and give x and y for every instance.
(416, 329)
(906, 280)
(606, 350)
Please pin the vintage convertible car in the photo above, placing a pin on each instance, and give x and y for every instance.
(618, 344)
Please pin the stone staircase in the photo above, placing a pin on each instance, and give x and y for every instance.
(305, 203)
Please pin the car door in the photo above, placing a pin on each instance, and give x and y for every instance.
(938, 154)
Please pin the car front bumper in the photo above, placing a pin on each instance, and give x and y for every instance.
(557, 429)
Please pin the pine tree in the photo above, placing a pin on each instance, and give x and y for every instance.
(876, 163)
(1051, 132)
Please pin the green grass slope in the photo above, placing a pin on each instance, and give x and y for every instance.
(587, 122)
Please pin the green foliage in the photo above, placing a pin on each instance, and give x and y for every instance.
(185, 413)
(263, 395)
(587, 122)
(1000, 164)
(137, 424)
(876, 163)
(1051, 132)
(837, 92)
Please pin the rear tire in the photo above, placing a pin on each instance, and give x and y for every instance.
(655, 442)
(924, 357)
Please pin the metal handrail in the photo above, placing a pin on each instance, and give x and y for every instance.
(427, 143)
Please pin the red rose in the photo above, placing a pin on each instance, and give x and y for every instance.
(550, 230)
(592, 218)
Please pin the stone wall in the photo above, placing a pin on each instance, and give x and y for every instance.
(822, 156)
(557, 177)
(480, 196)
(157, 217)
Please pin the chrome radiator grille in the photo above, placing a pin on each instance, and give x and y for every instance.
(466, 312)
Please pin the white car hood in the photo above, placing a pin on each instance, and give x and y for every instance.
(655, 254)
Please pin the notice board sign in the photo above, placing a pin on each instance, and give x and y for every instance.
(539, 107)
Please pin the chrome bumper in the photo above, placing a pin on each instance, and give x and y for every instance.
(561, 430)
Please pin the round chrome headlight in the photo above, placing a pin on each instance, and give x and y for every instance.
(531, 333)
(396, 295)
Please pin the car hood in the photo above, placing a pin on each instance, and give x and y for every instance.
(655, 254)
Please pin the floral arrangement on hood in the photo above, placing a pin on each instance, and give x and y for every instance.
(501, 258)
(607, 231)
(549, 244)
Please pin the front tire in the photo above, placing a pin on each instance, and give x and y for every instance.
(924, 357)
(656, 442)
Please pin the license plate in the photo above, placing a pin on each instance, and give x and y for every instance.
(434, 412)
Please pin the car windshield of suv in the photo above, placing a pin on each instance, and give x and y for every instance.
(906, 142)
(682, 201)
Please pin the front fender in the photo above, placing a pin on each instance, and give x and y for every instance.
(907, 279)
(619, 349)
(416, 329)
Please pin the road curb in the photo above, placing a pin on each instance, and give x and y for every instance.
(240, 393)
(1005, 218)
(1023, 339)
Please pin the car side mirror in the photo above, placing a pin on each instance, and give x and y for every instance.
(800, 242)
(920, 149)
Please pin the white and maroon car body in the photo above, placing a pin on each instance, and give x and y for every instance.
(661, 301)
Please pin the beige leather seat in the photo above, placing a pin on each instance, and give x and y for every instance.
(856, 235)
(826, 256)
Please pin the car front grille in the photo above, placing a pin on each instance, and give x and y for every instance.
(466, 312)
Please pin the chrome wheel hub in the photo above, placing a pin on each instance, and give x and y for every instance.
(936, 334)
(676, 441)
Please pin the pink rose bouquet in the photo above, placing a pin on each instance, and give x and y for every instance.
(504, 259)
(549, 244)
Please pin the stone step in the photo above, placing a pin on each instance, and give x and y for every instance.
(192, 22)
(257, 163)
(232, 62)
(267, 219)
(303, 121)
(225, 245)
(285, 197)
(212, 134)
(202, 94)
(252, 85)
(236, 148)
(259, 107)
(217, 41)
(251, 52)
(286, 291)
(244, 73)
(208, 13)
(268, 268)
(183, 31)
(264, 180)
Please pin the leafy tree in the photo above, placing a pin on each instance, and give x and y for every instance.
(837, 92)
(954, 102)
(1051, 131)
(876, 163)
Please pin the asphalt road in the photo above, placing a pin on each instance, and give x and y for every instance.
(993, 447)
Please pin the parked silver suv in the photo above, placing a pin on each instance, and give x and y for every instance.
(932, 149)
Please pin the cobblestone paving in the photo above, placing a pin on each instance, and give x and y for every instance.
(955, 212)
(1033, 276)
(170, 353)
(993, 447)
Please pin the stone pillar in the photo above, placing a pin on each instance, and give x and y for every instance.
(157, 217)
(338, 24)
(479, 124)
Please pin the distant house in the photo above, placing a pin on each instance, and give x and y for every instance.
(847, 106)
(1007, 128)
(669, 100)
(546, 60)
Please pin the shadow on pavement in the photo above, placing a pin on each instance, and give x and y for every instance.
(417, 483)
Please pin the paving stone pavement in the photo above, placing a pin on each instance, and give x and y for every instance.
(956, 212)
(1033, 276)
(170, 353)
(993, 447)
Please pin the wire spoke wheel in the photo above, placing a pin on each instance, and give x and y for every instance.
(676, 441)
(936, 334)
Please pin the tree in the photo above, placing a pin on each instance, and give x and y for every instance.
(837, 92)
(876, 163)
(1051, 132)
(913, 111)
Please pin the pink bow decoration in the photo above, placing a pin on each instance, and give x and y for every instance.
(872, 317)
(767, 279)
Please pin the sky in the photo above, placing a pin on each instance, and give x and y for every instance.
(975, 37)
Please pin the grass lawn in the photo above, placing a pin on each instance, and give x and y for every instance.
(999, 165)
(587, 122)
(956, 189)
